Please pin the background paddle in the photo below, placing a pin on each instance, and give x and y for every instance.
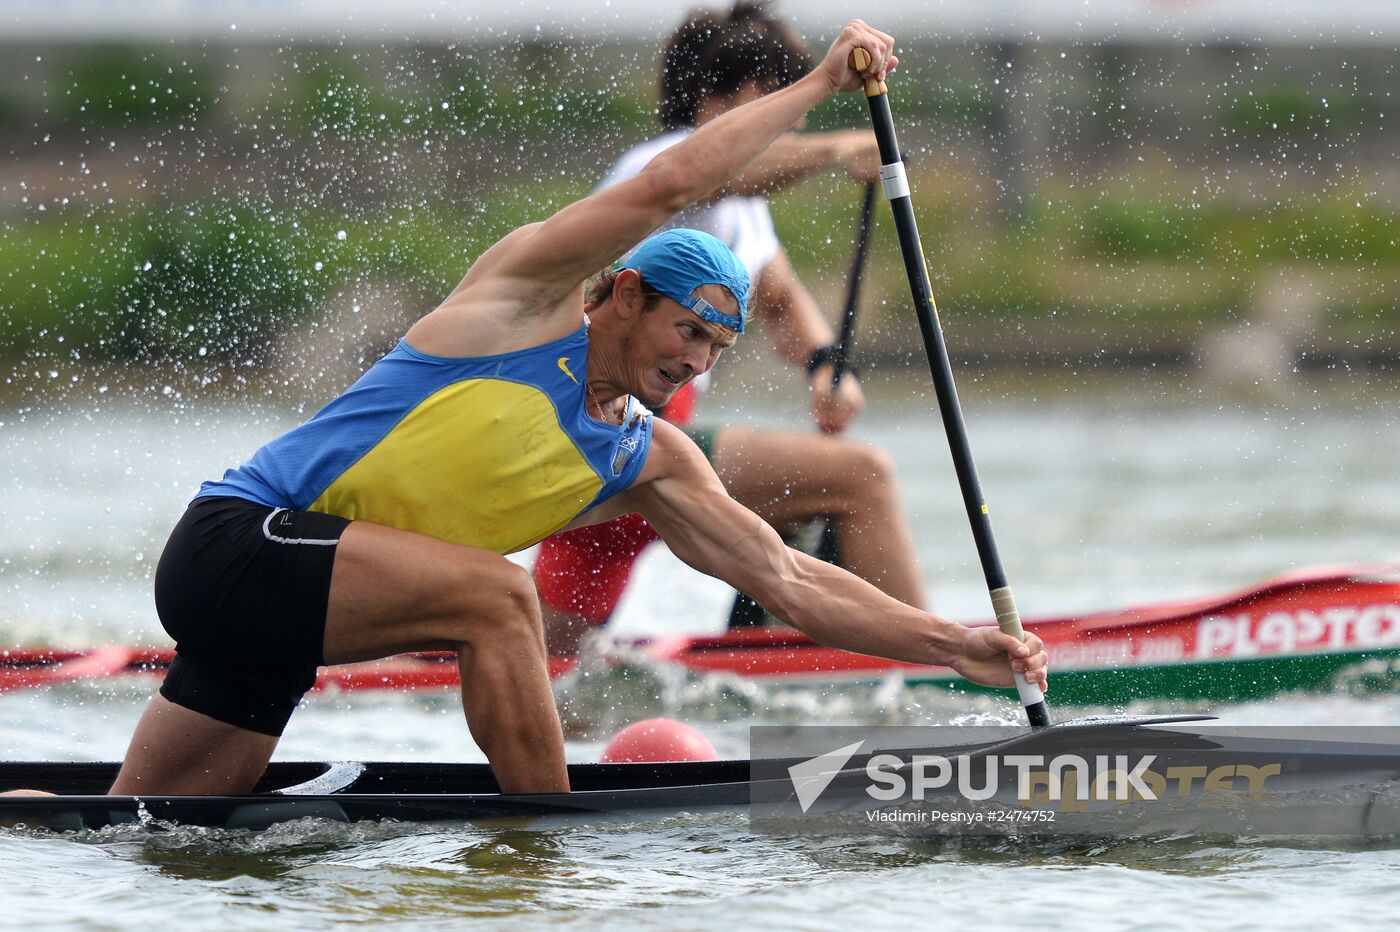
(845, 339)
(896, 186)
(818, 537)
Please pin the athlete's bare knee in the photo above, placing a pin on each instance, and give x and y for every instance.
(522, 600)
(871, 463)
(504, 603)
(858, 471)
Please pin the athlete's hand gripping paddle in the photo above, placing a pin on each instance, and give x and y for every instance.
(896, 187)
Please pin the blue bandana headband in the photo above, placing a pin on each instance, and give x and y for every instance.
(679, 261)
(707, 311)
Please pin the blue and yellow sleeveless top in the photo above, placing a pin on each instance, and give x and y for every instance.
(496, 452)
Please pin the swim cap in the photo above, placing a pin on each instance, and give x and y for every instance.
(678, 261)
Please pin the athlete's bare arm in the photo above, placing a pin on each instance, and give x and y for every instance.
(794, 156)
(679, 494)
(532, 277)
(795, 325)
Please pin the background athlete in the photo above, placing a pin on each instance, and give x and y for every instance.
(512, 410)
(716, 61)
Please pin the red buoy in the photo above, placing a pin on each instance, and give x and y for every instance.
(656, 740)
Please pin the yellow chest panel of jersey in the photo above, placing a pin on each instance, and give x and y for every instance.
(483, 462)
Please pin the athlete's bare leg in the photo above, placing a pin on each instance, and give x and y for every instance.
(786, 478)
(394, 591)
(179, 752)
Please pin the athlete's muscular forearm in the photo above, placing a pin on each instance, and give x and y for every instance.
(826, 602)
(683, 499)
(838, 609)
(680, 495)
(846, 612)
(796, 327)
(790, 315)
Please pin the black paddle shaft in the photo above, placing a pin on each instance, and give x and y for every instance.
(936, 349)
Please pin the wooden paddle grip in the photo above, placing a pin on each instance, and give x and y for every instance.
(860, 60)
(1008, 618)
(1009, 621)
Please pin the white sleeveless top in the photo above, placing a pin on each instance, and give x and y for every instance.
(741, 223)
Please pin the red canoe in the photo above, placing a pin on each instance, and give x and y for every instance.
(1314, 630)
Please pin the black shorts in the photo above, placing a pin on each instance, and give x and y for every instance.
(243, 588)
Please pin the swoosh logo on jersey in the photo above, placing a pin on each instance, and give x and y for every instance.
(563, 364)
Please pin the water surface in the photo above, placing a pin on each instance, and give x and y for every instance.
(1102, 495)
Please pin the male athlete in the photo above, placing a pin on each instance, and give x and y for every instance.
(513, 410)
(715, 61)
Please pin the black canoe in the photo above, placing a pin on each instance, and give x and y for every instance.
(1265, 781)
(408, 792)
